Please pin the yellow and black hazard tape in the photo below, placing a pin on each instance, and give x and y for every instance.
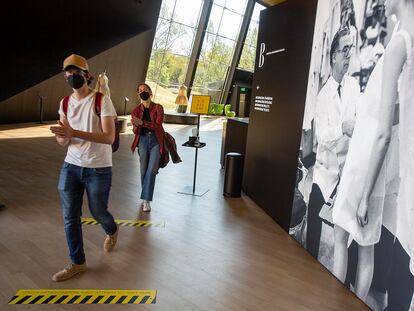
(127, 223)
(83, 296)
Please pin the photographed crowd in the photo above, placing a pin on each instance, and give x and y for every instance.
(356, 169)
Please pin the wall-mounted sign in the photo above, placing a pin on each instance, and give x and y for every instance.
(200, 104)
(277, 105)
(263, 103)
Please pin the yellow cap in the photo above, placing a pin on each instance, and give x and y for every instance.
(77, 61)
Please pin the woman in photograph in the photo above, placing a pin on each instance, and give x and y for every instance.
(348, 21)
(147, 119)
(399, 74)
(370, 173)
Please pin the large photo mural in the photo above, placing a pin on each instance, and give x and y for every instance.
(353, 207)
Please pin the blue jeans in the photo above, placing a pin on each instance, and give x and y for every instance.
(149, 157)
(73, 181)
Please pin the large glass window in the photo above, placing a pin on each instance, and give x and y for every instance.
(173, 42)
(218, 47)
(248, 56)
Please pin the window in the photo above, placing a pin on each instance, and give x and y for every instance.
(247, 59)
(218, 47)
(173, 42)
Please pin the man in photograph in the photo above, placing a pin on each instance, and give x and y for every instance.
(334, 124)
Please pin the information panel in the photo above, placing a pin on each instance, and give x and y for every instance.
(200, 104)
(278, 101)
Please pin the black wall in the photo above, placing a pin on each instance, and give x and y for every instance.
(37, 35)
(274, 137)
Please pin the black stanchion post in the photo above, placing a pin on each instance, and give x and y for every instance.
(126, 100)
(195, 169)
(195, 144)
(199, 105)
(196, 152)
(41, 98)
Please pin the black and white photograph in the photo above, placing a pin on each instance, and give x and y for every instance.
(353, 207)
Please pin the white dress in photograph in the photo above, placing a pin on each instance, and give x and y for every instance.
(353, 180)
(405, 211)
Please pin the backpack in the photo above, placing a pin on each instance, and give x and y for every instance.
(98, 103)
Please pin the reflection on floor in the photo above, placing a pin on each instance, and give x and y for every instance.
(213, 253)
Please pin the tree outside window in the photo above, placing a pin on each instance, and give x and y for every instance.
(173, 43)
(248, 56)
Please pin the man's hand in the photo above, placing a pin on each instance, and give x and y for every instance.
(348, 127)
(135, 121)
(64, 130)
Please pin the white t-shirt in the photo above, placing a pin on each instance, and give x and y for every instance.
(81, 116)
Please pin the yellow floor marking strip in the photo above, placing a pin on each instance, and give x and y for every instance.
(83, 296)
(127, 223)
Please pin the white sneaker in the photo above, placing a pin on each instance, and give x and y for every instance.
(146, 207)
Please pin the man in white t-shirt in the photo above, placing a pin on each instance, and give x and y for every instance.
(88, 162)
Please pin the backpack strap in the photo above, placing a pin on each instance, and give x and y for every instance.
(98, 103)
(65, 104)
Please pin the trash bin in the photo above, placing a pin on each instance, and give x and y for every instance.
(122, 123)
(233, 174)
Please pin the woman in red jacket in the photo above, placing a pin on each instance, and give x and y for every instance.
(147, 120)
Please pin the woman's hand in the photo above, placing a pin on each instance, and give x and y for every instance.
(135, 121)
(362, 213)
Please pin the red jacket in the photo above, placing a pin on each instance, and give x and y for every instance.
(157, 117)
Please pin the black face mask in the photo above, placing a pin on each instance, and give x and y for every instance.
(144, 95)
(76, 81)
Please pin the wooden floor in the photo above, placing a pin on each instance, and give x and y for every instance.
(213, 254)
